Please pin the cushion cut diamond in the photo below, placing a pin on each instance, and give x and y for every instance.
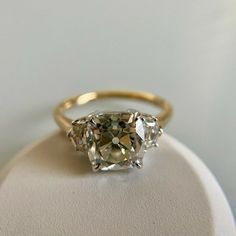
(115, 140)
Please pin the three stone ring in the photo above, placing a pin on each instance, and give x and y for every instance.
(114, 140)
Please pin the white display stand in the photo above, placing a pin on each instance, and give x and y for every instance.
(49, 190)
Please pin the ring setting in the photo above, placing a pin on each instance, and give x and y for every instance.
(115, 140)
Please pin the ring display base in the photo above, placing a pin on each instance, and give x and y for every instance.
(49, 189)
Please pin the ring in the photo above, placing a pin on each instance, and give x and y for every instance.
(114, 140)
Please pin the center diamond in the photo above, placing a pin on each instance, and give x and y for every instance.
(115, 140)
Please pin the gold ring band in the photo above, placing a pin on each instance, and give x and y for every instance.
(64, 122)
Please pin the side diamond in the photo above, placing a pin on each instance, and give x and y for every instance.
(76, 134)
(152, 130)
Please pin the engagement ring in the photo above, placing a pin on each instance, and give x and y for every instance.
(114, 140)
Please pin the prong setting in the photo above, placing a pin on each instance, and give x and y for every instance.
(95, 166)
(161, 131)
(138, 164)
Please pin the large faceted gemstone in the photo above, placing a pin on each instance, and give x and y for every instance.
(116, 140)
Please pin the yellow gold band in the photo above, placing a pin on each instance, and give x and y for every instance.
(65, 122)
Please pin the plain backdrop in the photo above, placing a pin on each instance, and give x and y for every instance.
(182, 50)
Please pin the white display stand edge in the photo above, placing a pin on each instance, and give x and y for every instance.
(222, 219)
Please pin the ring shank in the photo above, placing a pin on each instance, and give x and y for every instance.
(64, 122)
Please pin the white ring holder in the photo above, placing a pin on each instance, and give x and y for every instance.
(49, 189)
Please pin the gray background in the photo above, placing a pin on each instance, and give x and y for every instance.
(182, 50)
